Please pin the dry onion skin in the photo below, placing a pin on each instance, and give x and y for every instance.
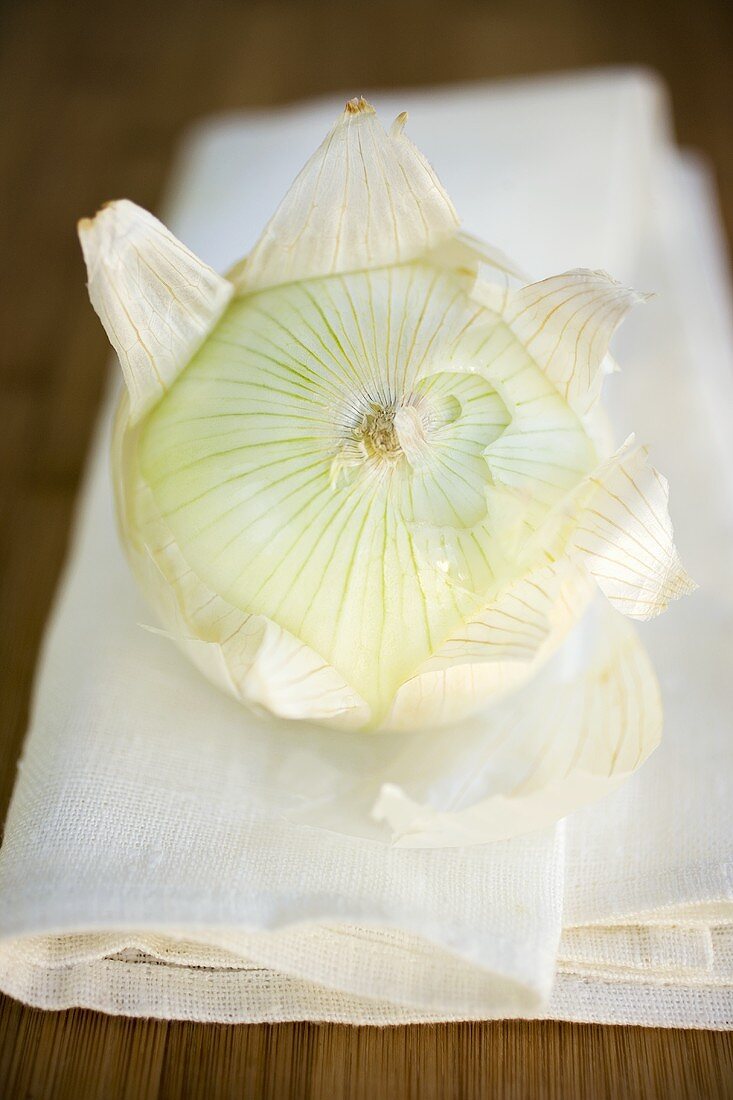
(361, 477)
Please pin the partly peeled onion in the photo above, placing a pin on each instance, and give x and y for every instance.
(359, 477)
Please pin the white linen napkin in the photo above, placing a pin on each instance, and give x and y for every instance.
(145, 868)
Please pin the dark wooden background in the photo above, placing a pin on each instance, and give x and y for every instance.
(93, 98)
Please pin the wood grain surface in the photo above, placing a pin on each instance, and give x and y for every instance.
(93, 99)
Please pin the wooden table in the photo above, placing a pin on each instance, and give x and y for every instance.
(94, 98)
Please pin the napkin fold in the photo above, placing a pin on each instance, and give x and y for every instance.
(145, 868)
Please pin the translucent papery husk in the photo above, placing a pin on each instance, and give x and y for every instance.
(365, 483)
(569, 736)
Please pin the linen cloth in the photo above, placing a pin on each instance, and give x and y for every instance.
(145, 870)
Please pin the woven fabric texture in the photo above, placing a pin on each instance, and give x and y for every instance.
(144, 873)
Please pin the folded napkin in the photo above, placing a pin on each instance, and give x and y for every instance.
(147, 868)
